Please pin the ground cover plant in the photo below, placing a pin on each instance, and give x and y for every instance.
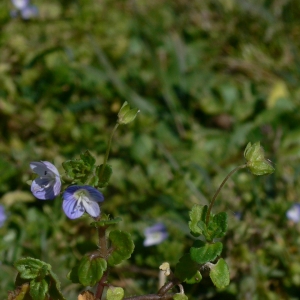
(36, 279)
(208, 77)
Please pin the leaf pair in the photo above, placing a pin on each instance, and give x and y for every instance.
(216, 227)
(92, 267)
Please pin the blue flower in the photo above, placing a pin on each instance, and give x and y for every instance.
(294, 213)
(29, 12)
(3, 216)
(20, 4)
(47, 185)
(81, 198)
(24, 8)
(155, 234)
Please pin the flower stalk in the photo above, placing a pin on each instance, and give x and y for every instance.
(211, 204)
(108, 149)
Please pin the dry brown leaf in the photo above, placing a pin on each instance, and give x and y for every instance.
(86, 295)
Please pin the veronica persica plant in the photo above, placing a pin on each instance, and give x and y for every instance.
(48, 184)
(81, 198)
(36, 280)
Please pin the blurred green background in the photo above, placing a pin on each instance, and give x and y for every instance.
(208, 77)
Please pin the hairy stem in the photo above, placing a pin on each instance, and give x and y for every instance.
(167, 286)
(151, 297)
(104, 253)
(219, 189)
(101, 285)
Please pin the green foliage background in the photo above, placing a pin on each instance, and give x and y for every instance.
(208, 77)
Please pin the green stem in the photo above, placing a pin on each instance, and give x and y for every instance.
(108, 150)
(219, 189)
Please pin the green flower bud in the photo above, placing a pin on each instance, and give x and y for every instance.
(126, 114)
(256, 161)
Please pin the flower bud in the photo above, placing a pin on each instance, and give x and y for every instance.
(256, 161)
(165, 267)
(126, 114)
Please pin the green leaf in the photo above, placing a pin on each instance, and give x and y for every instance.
(30, 268)
(217, 226)
(54, 287)
(73, 167)
(88, 159)
(221, 219)
(188, 270)
(115, 293)
(79, 170)
(197, 213)
(105, 223)
(202, 252)
(180, 297)
(91, 270)
(219, 274)
(103, 177)
(194, 279)
(122, 247)
(38, 289)
(73, 274)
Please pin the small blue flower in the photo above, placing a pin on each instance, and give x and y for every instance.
(29, 12)
(81, 198)
(47, 185)
(294, 213)
(155, 234)
(238, 215)
(3, 216)
(20, 4)
(24, 8)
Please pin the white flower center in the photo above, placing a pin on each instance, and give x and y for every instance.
(82, 198)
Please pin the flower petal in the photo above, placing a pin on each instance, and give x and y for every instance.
(29, 12)
(41, 192)
(71, 207)
(20, 4)
(80, 198)
(94, 194)
(38, 167)
(155, 234)
(294, 213)
(155, 238)
(92, 208)
(51, 167)
(156, 227)
(43, 167)
(48, 185)
(3, 216)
